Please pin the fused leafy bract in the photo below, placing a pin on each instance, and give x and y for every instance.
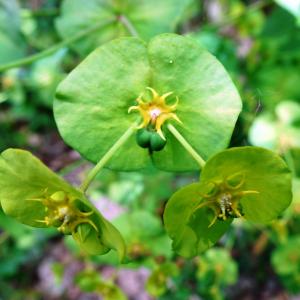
(263, 171)
(248, 182)
(148, 17)
(201, 102)
(189, 229)
(34, 195)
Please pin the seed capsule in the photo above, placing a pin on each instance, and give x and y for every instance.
(143, 138)
(156, 142)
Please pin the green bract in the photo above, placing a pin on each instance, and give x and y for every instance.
(91, 107)
(34, 195)
(249, 181)
(148, 17)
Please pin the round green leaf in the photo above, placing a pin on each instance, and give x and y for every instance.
(190, 231)
(148, 17)
(263, 171)
(91, 107)
(24, 180)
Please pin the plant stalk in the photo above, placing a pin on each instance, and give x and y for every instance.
(107, 156)
(32, 58)
(186, 145)
(128, 25)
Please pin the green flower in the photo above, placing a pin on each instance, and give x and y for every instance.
(248, 182)
(34, 195)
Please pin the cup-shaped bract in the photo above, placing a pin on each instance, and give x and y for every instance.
(185, 85)
(249, 182)
(147, 17)
(34, 195)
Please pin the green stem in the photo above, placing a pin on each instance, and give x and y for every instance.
(128, 25)
(30, 59)
(186, 145)
(107, 156)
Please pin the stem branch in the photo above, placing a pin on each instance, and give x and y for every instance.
(128, 25)
(186, 145)
(107, 156)
(32, 58)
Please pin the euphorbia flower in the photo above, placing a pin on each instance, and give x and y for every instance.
(190, 91)
(34, 195)
(247, 182)
(156, 111)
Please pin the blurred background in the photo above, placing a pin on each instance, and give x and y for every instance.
(258, 42)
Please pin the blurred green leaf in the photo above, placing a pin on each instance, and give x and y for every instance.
(148, 17)
(157, 283)
(11, 43)
(286, 262)
(292, 6)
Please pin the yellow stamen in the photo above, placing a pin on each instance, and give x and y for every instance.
(155, 112)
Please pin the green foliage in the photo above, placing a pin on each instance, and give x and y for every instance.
(157, 283)
(90, 281)
(125, 68)
(292, 6)
(286, 262)
(148, 102)
(234, 183)
(145, 20)
(280, 132)
(11, 42)
(216, 271)
(45, 76)
(34, 195)
(144, 235)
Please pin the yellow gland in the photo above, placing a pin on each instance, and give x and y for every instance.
(224, 198)
(155, 112)
(61, 212)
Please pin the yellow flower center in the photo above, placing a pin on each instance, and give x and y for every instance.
(224, 198)
(156, 111)
(61, 212)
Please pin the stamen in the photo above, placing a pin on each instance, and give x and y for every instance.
(155, 112)
(224, 198)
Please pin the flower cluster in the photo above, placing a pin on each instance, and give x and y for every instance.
(224, 198)
(62, 212)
